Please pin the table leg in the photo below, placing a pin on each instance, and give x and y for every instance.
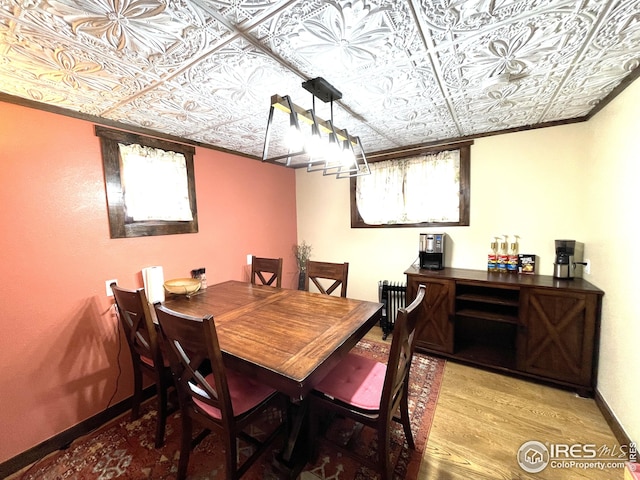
(295, 452)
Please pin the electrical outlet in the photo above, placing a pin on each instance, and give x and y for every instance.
(587, 267)
(249, 259)
(107, 285)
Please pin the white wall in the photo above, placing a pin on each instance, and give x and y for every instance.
(573, 181)
(612, 196)
(527, 184)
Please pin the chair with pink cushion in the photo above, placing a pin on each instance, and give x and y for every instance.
(146, 353)
(214, 396)
(371, 393)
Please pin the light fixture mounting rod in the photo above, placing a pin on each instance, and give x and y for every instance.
(322, 89)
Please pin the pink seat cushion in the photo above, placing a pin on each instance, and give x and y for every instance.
(356, 380)
(245, 394)
(149, 361)
(146, 360)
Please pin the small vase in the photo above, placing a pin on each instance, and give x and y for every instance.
(301, 276)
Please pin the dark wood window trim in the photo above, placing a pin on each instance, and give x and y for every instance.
(120, 225)
(465, 174)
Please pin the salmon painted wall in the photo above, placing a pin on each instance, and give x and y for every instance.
(58, 335)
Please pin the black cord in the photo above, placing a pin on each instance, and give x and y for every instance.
(118, 336)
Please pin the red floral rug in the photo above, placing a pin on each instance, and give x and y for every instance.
(124, 449)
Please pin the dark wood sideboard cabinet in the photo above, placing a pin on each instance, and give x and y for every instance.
(534, 326)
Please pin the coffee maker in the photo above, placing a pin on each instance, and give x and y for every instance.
(566, 262)
(432, 251)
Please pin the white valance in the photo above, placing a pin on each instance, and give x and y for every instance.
(422, 189)
(155, 184)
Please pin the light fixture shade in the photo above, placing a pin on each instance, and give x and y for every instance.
(360, 165)
(284, 149)
(351, 162)
(319, 161)
(314, 146)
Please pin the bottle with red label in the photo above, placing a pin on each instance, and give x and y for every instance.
(503, 256)
(492, 257)
(512, 260)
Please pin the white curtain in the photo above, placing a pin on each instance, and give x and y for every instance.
(414, 190)
(155, 184)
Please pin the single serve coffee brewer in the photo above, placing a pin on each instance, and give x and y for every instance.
(432, 251)
(568, 257)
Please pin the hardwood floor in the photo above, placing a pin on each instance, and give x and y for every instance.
(483, 418)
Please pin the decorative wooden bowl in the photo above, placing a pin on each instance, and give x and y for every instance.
(182, 286)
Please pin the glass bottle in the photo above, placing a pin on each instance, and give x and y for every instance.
(503, 256)
(492, 257)
(512, 261)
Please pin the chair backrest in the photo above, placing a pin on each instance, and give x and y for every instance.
(195, 352)
(337, 272)
(401, 354)
(135, 318)
(261, 266)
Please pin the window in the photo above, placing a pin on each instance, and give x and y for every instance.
(424, 187)
(150, 185)
(154, 183)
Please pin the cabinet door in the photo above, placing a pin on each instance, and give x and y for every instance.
(557, 339)
(435, 328)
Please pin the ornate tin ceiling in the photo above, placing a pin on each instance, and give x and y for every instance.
(410, 72)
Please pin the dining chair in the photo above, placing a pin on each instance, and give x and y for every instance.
(318, 272)
(371, 393)
(214, 396)
(146, 353)
(261, 266)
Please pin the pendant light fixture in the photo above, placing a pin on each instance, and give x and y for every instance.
(306, 140)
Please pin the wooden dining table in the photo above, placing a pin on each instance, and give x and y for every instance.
(288, 339)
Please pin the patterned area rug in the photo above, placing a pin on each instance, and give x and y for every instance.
(124, 449)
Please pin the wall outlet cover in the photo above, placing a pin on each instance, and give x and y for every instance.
(107, 285)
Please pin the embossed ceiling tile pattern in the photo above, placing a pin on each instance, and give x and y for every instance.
(620, 30)
(414, 123)
(429, 112)
(174, 112)
(399, 93)
(519, 49)
(610, 56)
(517, 55)
(238, 12)
(197, 41)
(234, 73)
(68, 74)
(93, 46)
(48, 63)
(149, 28)
(236, 83)
(340, 37)
(411, 71)
(446, 20)
(374, 142)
